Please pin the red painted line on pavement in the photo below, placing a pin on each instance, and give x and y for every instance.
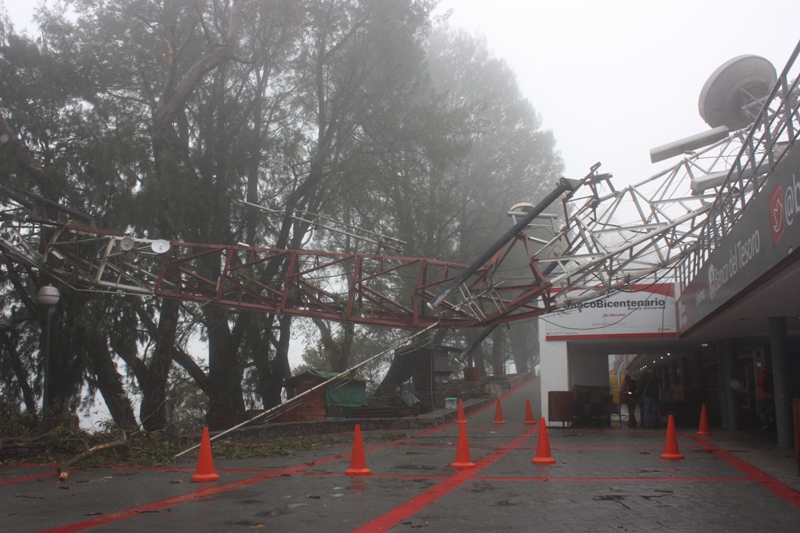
(417, 503)
(203, 493)
(658, 447)
(375, 476)
(774, 485)
(504, 396)
(28, 478)
(448, 447)
(155, 506)
(497, 428)
(193, 468)
(448, 425)
(183, 498)
(538, 479)
(618, 479)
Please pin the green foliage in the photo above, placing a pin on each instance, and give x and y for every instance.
(148, 117)
(158, 448)
(14, 422)
(186, 403)
(313, 357)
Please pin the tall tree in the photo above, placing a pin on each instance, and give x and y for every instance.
(359, 59)
(511, 159)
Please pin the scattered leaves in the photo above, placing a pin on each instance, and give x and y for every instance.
(159, 448)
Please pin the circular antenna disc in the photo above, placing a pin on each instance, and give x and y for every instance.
(741, 81)
(126, 243)
(523, 207)
(160, 246)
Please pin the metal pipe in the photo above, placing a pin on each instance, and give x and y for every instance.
(47, 201)
(562, 186)
(46, 392)
(471, 348)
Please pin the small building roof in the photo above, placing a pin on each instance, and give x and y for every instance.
(323, 375)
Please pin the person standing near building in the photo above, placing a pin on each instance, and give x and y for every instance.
(648, 392)
(397, 396)
(766, 398)
(629, 397)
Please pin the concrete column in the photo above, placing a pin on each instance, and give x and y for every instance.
(553, 368)
(727, 372)
(778, 344)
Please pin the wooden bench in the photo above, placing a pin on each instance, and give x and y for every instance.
(398, 411)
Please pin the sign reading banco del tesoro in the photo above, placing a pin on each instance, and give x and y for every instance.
(768, 231)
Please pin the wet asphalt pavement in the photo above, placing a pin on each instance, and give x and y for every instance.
(603, 480)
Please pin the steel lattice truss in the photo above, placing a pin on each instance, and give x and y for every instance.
(775, 130)
(615, 237)
(366, 289)
(661, 229)
(609, 238)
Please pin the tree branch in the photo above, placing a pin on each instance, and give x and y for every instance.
(63, 470)
(188, 363)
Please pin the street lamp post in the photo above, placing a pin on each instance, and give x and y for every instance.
(48, 296)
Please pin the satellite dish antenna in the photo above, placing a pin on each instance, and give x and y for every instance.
(730, 96)
(126, 243)
(160, 246)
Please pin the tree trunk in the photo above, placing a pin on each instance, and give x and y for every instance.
(480, 360)
(498, 352)
(224, 369)
(109, 383)
(523, 349)
(337, 349)
(19, 372)
(153, 411)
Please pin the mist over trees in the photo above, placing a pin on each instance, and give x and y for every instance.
(160, 117)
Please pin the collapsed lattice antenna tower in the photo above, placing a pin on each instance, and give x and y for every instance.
(615, 237)
(611, 237)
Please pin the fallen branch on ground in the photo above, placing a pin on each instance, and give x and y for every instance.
(63, 470)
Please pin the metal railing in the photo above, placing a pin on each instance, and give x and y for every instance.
(774, 132)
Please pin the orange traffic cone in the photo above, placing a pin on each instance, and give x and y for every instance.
(460, 418)
(528, 413)
(703, 429)
(498, 414)
(543, 456)
(671, 451)
(358, 463)
(462, 450)
(205, 464)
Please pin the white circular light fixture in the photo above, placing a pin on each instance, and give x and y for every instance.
(48, 295)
